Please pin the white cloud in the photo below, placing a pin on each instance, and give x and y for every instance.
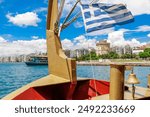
(39, 45)
(143, 28)
(21, 47)
(24, 47)
(78, 24)
(78, 43)
(2, 40)
(35, 37)
(117, 39)
(124, 30)
(25, 19)
(148, 35)
(83, 42)
(137, 7)
(41, 9)
(67, 44)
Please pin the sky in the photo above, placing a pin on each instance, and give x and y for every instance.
(23, 27)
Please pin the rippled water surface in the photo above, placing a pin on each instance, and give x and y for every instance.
(15, 75)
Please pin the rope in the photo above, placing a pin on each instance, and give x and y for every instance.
(65, 23)
(60, 10)
(92, 68)
(71, 21)
(70, 12)
(93, 74)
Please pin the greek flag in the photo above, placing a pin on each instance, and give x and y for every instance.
(102, 17)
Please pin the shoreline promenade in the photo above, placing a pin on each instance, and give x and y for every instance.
(84, 63)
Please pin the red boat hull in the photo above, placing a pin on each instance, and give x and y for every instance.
(83, 89)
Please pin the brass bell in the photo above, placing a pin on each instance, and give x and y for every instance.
(132, 79)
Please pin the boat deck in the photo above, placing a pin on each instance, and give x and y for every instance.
(140, 94)
(49, 88)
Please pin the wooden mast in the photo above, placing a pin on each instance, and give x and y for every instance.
(58, 63)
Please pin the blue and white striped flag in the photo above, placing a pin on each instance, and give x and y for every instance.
(101, 17)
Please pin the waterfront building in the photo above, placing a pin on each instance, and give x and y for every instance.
(146, 46)
(1, 59)
(102, 47)
(78, 52)
(127, 49)
(73, 54)
(81, 52)
(15, 58)
(118, 50)
(137, 50)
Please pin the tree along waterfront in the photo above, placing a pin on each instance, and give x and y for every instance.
(113, 55)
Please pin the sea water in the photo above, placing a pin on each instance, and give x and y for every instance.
(16, 75)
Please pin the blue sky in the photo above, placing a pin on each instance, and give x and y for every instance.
(20, 7)
(26, 20)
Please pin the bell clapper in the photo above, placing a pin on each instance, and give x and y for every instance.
(133, 91)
